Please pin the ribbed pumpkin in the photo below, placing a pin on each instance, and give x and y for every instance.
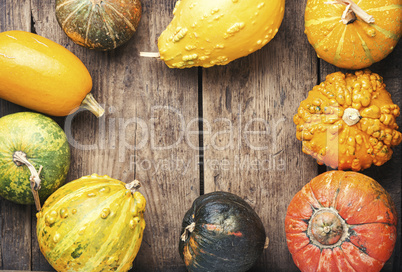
(221, 232)
(99, 24)
(353, 42)
(29, 141)
(42, 75)
(341, 221)
(349, 121)
(213, 32)
(94, 223)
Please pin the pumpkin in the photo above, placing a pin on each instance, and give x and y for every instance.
(94, 223)
(341, 221)
(221, 232)
(42, 75)
(213, 32)
(30, 142)
(99, 24)
(353, 35)
(348, 121)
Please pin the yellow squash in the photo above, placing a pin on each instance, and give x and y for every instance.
(353, 34)
(94, 223)
(209, 32)
(348, 121)
(42, 75)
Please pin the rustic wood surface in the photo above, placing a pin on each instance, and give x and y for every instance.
(188, 132)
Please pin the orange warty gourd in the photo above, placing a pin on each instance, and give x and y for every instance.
(341, 221)
(353, 35)
(348, 121)
(206, 33)
(42, 75)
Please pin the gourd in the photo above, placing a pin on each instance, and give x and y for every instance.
(99, 24)
(348, 121)
(94, 223)
(353, 35)
(341, 221)
(221, 232)
(212, 32)
(34, 155)
(42, 75)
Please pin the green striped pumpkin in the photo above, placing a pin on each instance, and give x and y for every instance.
(44, 143)
(358, 44)
(99, 24)
(94, 223)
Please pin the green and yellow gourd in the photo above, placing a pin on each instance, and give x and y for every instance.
(99, 24)
(94, 223)
(209, 32)
(34, 139)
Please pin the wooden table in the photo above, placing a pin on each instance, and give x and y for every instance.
(187, 132)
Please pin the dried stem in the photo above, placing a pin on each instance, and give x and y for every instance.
(189, 229)
(347, 18)
(150, 54)
(133, 186)
(20, 158)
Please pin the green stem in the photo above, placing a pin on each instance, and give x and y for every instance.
(92, 105)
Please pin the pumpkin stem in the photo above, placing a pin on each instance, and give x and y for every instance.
(189, 229)
(20, 158)
(351, 116)
(348, 16)
(150, 54)
(92, 105)
(266, 243)
(327, 229)
(351, 6)
(133, 186)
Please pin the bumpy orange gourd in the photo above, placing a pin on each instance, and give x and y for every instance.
(358, 39)
(348, 121)
(341, 221)
(42, 75)
(206, 33)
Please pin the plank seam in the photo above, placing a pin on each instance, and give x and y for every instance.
(201, 132)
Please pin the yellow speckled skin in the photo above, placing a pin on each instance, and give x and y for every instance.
(40, 74)
(358, 44)
(91, 224)
(206, 33)
(327, 137)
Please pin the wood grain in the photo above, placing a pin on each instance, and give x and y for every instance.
(15, 220)
(261, 160)
(150, 132)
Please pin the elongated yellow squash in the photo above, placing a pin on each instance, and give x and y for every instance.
(42, 75)
(209, 32)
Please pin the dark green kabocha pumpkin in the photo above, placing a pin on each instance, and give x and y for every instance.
(99, 24)
(31, 145)
(221, 232)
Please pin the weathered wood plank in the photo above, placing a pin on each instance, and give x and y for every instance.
(15, 220)
(141, 135)
(388, 175)
(259, 157)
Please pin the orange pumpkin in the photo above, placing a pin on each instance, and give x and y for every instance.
(353, 35)
(348, 121)
(341, 221)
